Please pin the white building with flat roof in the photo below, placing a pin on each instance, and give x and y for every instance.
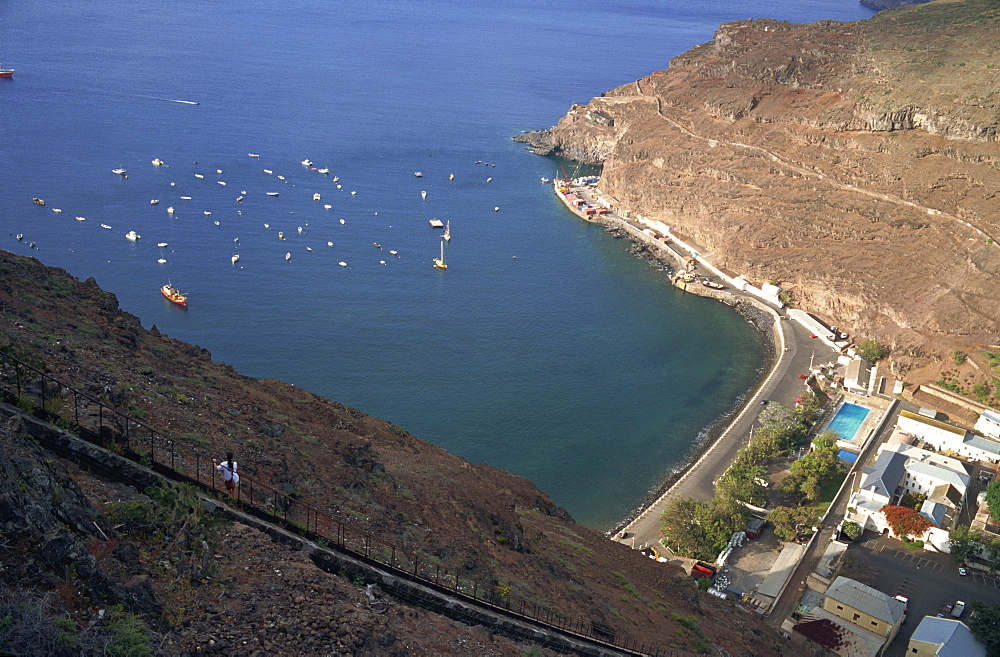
(988, 424)
(946, 437)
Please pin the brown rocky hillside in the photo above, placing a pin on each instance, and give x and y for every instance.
(473, 519)
(855, 164)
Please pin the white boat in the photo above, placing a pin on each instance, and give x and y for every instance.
(132, 235)
(207, 213)
(170, 209)
(157, 162)
(81, 218)
(216, 223)
(56, 210)
(342, 263)
(447, 232)
(354, 193)
(120, 171)
(418, 174)
(252, 155)
(342, 222)
(162, 261)
(186, 198)
(105, 227)
(198, 175)
(307, 163)
(281, 235)
(439, 263)
(162, 245)
(218, 171)
(268, 171)
(423, 195)
(309, 248)
(154, 201)
(281, 177)
(436, 223)
(336, 179)
(323, 171)
(451, 176)
(381, 262)
(235, 258)
(20, 236)
(300, 230)
(271, 193)
(327, 207)
(393, 252)
(288, 256)
(316, 196)
(330, 244)
(221, 182)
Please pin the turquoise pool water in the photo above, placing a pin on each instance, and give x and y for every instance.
(847, 420)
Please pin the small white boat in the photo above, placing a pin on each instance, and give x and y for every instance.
(216, 223)
(154, 201)
(170, 209)
(81, 218)
(327, 207)
(267, 225)
(309, 248)
(268, 171)
(271, 193)
(221, 182)
(316, 196)
(381, 262)
(447, 232)
(393, 252)
(133, 236)
(120, 171)
(252, 155)
(342, 222)
(339, 187)
(330, 244)
(496, 208)
(300, 230)
(235, 258)
(186, 198)
(307, 163)
(281, 177)
(451, 176)
(56, 210)
(281, 235)
(354, 193)
(19, 237)
(288, 256)
(157, 162)
(207, 213)
(423, 195)
(105, 227)
(418, 174)
(342, 263)
(323, 171)
(489, 179)
(219, 171)
(198, 175)
(162, 245)
(336, 179)
(162, 261)
(436, 223)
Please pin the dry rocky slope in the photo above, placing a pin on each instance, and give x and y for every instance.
(472, 518)
(856, 164)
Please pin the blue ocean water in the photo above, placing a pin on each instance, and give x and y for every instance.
(544, 349)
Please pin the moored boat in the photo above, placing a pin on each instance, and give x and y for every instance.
(120, 171)
(436, 223)
(439, 263)
(132, 236)
(38, 201)
(447, 232)
(6, 72)
(173, 294)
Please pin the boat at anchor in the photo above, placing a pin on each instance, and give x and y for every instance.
(173, 294)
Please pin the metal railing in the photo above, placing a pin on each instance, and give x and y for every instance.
(96, 421)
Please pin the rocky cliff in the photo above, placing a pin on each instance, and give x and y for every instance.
(855, 164)
(472, 519)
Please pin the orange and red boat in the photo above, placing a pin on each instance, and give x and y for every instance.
(171, 293)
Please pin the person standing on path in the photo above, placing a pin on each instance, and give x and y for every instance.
(228, 470)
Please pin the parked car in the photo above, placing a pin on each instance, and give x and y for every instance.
(962, 571)
(957, 610)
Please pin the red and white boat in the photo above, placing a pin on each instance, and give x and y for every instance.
(171, 293)
(6, 72)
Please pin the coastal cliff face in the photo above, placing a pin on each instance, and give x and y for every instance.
(473, 519)
(855, 164)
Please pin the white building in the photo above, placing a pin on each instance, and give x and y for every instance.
(946, 437)
(989, 424)
(944, 637)
(857, 378)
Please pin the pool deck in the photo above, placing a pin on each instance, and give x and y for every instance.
(876, 408)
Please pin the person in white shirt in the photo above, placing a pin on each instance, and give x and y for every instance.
(228, 470)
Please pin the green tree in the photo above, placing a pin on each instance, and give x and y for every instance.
(871, 350)
(958, 356)
(741, 483)
(852, 531)
(808, 475)
(993, 499)
(985, 625)
(964, 543)
(699, 530)
(792, 523)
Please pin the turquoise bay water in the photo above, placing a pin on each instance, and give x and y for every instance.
(544, 349)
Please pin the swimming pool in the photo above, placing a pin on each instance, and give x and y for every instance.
(847, 420)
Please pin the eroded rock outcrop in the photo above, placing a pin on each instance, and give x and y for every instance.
(857, 164)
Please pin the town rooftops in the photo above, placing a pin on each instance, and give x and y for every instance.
(865, 599)
(935, 512)
(937, 424)
(952, 635)
(985, 444)
(929, 469)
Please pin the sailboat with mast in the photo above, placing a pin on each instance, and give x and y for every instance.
(447, 232)
(439, 263)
